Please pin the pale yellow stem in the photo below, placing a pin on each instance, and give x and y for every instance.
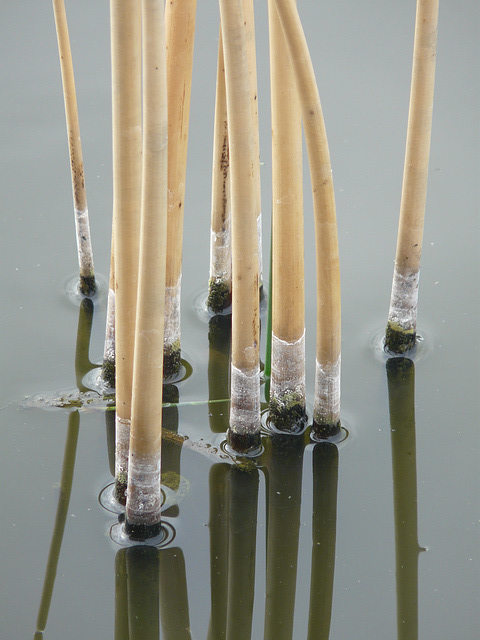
(127, 150)
(249, 21)
(415, 175)
(402, 316)
(245, 407)
(287, 384)
(180, 31)
(82, 225)
(144, 496)
(220, 285)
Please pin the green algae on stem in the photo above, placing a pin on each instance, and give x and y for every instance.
(287, 412)
(219, 295)
(399, 340)
(171, 359)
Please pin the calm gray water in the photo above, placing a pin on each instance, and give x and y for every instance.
(362, 55)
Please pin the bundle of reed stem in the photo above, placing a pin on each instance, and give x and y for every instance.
(401, 329)
(326, 410)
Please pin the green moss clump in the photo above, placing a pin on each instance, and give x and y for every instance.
(244, 442)
(108, 373)
(171, 359)
(398, 340)
(219, 295)
(87, 285)
(287, 413)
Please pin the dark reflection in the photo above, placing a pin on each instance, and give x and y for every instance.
(175, 618)
(151, 594)
(82, 359)
(171, 450)
(82, 367)
(219, 340)
(243, 499)
(401, 395)
(284, 459)
(324, 528)
(60, 519)
(218, 526)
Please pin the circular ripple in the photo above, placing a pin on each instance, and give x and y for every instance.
(72, 291)
(166, 536)
(422, 349)
(108, 501)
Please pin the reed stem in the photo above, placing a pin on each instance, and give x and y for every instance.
(127, 150)
(402, 317)
(180, 30)
(220, 282)
(326, 409)
(287, 384)
(82, 225)
(144, 493)
(244, 430)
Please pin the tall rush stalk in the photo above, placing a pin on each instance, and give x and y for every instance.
(144, 493)
(180, 30)
(127, 150)
(326, 409)
(402, 317)
(220, 282)
(244, 431)
(82, 225)
(287, 383)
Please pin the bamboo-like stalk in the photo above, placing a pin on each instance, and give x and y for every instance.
(287, 383)
(82, 225)
(402, 317)
(249, 21)
(144, 492)
(326, 409)
(220, 282)
(180, 30)
(244, 430)
(108, 365)
(127, 150)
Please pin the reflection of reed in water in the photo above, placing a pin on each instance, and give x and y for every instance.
(243, 498)
(324, 528)
(401, 394)
(151, 592)
(284, 460)
(82, 367)
(219, 341)
(218, 525)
